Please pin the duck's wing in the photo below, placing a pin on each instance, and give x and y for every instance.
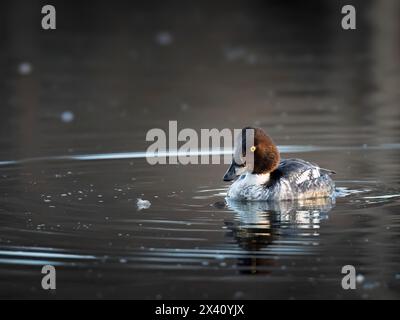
(297, 171)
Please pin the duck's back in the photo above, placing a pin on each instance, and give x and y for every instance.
(299, 179)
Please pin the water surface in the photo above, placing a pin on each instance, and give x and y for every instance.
(69, 185)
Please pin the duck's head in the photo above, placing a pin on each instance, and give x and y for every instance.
(254, 152)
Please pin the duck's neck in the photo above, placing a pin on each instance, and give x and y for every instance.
(257, 179)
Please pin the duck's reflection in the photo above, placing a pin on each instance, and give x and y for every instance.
(268, 231)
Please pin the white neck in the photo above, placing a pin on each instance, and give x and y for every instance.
(257, 179)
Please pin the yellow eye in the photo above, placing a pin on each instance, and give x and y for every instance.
(253, 148)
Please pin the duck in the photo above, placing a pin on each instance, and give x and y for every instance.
(259, 174)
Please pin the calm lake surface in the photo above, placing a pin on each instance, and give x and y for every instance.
(106, 76)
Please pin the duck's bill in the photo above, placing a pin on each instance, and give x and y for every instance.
(231, 173)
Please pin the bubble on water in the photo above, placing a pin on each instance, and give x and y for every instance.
(143, 204)
(25, 68)
(164, 38)
(67, 116)
(360, 278)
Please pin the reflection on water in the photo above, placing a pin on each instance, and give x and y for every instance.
(287, 227)
(162, 154)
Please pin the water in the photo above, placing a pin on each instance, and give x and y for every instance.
(69, 190)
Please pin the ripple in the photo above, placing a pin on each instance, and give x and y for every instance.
(40, 256)
(142, 154)
(388, 196)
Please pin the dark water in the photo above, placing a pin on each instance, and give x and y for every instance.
(123, 70)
